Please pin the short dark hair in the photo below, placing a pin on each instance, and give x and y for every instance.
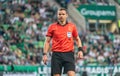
(62, 9)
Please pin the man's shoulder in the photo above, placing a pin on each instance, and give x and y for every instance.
(53, 25)
(71, 23)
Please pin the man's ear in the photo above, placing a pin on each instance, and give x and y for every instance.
(67, 15)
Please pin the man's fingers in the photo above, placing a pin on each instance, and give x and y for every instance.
(44, 62)
(45, 59)
(80, 55)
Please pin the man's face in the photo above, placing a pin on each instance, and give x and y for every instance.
(62, 15)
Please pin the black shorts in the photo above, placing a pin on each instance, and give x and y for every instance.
(65, 60)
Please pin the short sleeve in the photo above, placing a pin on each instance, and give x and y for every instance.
(75, 32)
(50, 31)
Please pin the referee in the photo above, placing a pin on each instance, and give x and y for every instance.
(62, 34)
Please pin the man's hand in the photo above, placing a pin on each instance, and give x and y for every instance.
(45, 59)
(80, 54)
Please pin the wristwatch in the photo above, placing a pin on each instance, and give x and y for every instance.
(44, 53)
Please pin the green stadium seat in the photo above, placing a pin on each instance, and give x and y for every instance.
(13, 47)
(41, 44)
(5, 26)
(18, 23)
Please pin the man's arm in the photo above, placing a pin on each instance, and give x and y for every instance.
(46, 45)
(79, 44)
(78, 41)
(46, 48)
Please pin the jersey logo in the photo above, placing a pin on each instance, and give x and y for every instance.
(69, 34)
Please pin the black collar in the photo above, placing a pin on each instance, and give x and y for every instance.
(64, 24)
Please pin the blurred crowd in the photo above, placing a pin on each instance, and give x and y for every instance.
(100, 49)
(76, 3)
(64, 3)
(98, 2)
(23, 25)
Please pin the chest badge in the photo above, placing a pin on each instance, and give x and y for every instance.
(69, 34)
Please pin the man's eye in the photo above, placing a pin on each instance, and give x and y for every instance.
(61, 14)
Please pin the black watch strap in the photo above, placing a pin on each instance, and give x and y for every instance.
(44, 53)
(80, 49)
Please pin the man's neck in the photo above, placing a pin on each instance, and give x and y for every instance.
(62, 22)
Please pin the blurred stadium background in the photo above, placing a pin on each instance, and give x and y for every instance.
(23, 24)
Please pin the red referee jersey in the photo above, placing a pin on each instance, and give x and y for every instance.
(62, 36)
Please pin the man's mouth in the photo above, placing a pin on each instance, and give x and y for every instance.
(60, 18)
